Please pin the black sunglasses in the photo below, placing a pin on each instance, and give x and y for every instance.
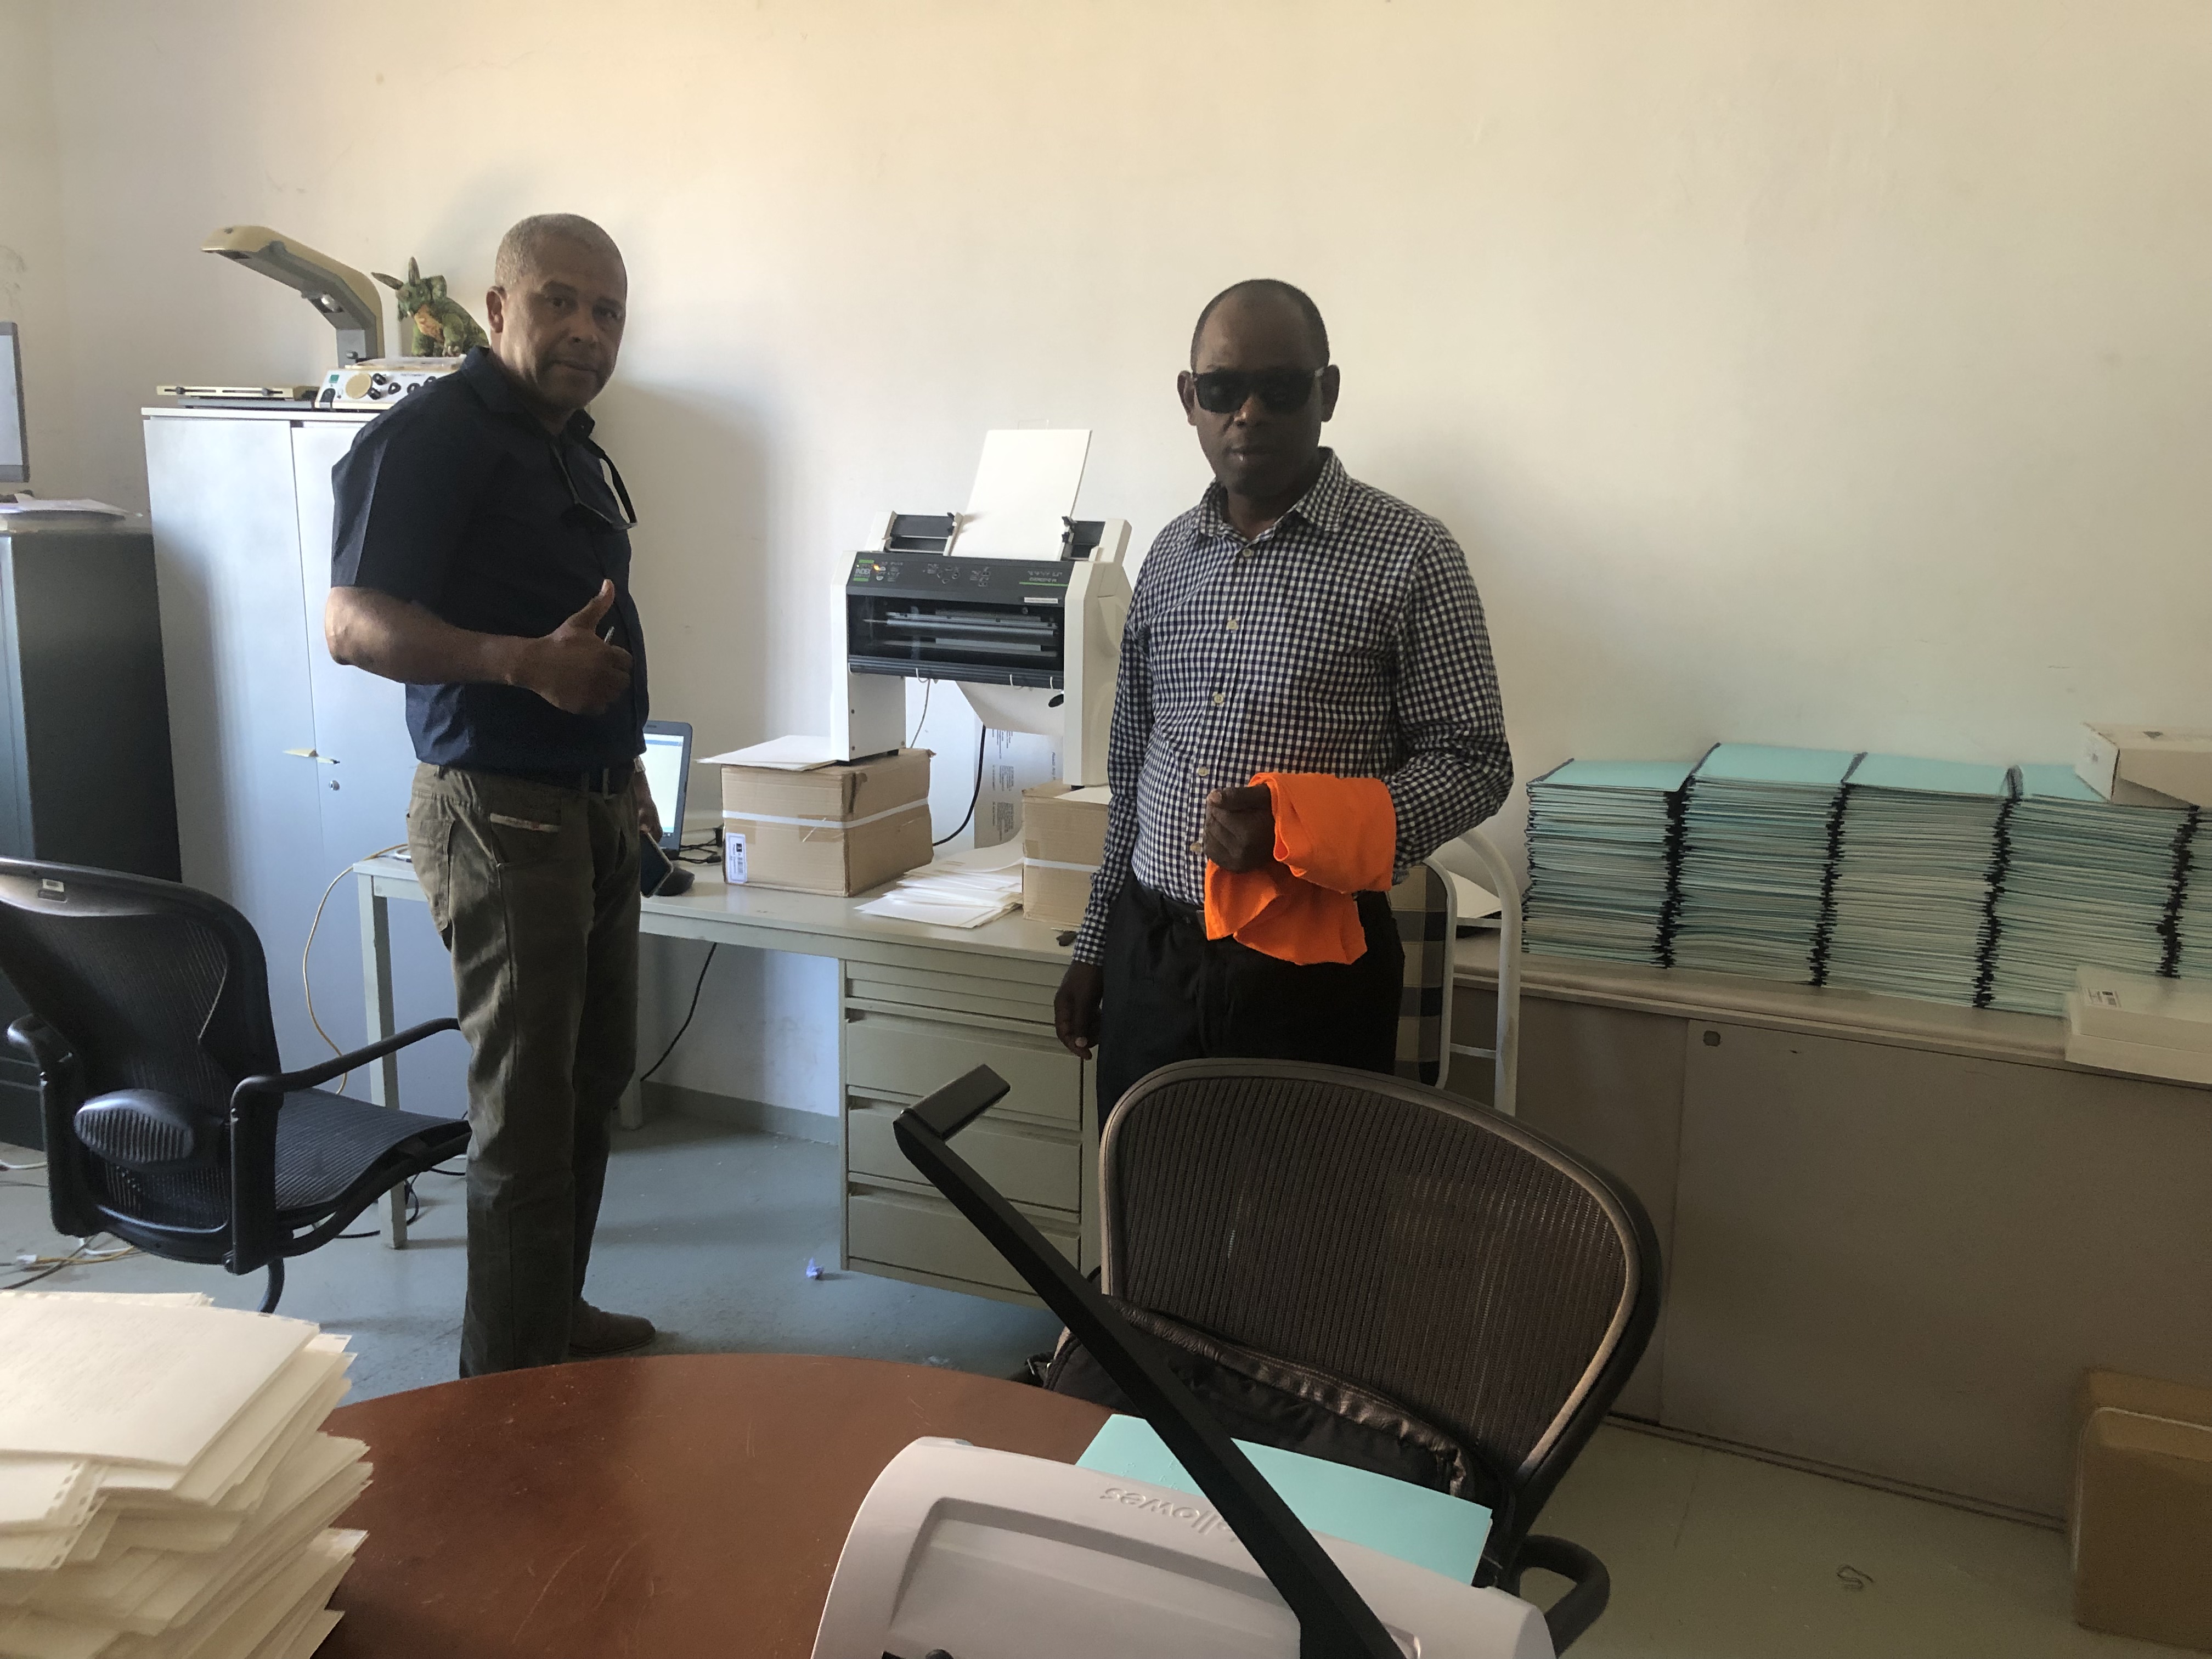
(582, 512)
(1284, 390)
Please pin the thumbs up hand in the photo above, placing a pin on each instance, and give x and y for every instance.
(572, 667)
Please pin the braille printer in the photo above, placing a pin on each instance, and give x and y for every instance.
(1020, 607)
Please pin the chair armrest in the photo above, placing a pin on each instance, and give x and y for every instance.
(71, 1202)
(313, 1077)
(1590, 1588)
(40, 1043)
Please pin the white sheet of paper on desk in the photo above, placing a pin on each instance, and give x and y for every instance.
(1026, 484)
(787, 754)
(28, 508)
(1473, 901)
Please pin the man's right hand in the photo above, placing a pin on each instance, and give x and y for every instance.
(572, 667)
(1075, 1007)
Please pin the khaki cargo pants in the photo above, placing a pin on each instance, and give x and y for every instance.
(534, 890)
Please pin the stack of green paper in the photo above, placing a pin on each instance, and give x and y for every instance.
(2086, 882)
(1916, 862)
(1599, 852)
(1755, 858)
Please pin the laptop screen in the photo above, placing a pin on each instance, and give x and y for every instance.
(14, 466)
(667, 762)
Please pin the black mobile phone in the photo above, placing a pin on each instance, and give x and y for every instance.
(657, 878)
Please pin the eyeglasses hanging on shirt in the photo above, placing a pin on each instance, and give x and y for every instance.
(583, 516)
(580, 513)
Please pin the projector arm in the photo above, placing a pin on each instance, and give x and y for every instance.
(340, 293)
(1333, 1622)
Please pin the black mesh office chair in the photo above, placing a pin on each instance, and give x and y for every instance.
(168, 1122)
(1409, 1254)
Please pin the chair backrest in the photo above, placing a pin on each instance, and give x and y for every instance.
(154, 986)
(1422, 905)
(1440, 1254)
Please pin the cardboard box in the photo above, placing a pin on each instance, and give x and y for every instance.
(2147, 766)
(840, 829)
(1063, 844)
(2140, 1520)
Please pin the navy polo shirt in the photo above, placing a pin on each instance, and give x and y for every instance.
(458, 498)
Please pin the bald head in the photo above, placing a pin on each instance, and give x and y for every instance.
(524, 251)
(559, 299)
(1264, 292)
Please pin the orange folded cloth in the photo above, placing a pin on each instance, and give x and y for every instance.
(1333, 837)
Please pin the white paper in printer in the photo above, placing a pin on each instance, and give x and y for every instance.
(1025, 485)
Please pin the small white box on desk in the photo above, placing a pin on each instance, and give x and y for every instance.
(2134, 1023)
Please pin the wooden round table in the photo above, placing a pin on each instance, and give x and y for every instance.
(689, 1506)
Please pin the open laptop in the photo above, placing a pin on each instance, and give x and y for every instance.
(667, 762)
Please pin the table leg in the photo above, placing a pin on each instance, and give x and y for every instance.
(376, 984)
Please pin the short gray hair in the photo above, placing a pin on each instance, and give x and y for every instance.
(523, 248)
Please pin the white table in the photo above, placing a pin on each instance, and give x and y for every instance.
(917, 1000)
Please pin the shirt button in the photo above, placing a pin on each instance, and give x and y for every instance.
(1198, 846)
(1201, 772)
(1232, 624)
(1218, 699)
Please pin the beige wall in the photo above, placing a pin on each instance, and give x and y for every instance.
(1833, 371)
(33, 295)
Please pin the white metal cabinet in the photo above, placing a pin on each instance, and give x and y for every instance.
(227, 558)
(364, 767)
(263, 723)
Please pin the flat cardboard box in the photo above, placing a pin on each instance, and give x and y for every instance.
(840, 829)
(1063, 843)
(2147, 766)
(2140, 1520)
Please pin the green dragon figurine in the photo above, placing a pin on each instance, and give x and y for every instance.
(437, 326)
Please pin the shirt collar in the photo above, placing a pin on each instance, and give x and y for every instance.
(496, 392)
(1321, 506)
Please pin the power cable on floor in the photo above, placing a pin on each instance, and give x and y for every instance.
(306, 986)
(83, 1256)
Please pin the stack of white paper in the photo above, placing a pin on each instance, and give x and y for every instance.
(2086, 883)
(964, 889)
(166, 1490)
(1914, 874)
(1599, 852)
(1755, 829)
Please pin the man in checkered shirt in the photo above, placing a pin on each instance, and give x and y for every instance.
(1293, 621)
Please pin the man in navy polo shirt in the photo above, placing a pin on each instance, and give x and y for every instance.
(481, 556)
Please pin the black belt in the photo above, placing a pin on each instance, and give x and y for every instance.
(598, 780)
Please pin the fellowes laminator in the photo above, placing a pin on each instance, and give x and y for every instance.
(959, 1553)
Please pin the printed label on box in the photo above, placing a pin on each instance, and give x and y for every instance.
(733, 859)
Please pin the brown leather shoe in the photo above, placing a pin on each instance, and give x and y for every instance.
(595, 1333)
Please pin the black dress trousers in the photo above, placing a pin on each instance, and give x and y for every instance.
(1172, 993)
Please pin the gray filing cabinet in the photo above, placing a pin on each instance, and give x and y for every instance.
(290, 768)
(919, 1021)
(84, 729)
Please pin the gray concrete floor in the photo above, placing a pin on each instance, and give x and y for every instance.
(707, 1230)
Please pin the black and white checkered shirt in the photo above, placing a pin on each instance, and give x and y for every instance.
(1347, 639)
